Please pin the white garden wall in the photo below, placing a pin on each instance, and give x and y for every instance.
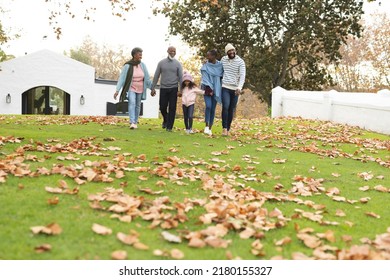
(367, 110)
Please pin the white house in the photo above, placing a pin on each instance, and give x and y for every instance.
(49, 83)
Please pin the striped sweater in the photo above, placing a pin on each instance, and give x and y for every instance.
(234, 72)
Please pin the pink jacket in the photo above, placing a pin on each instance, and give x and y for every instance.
(189, 95)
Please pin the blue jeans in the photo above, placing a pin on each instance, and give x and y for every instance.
(134, 106)
(229, 103)
(209, 114)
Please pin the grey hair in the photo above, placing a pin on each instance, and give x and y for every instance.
(135, 51)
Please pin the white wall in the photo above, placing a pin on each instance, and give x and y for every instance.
(367, 110)
(47, 68)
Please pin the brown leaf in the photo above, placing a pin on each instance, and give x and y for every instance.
(140, 246)
(366, 176)
(196, 243)
(160, 253)
(160, 184)
(127, 239)
(309, 240)
(53, 201)
(143, 178)
(372, 214)
(150, 191)
(283, 241)
(177, 254)
(279, 160)
(340, 213)
(51, 229)
(381, 188)
(102, 230)
(300, 256)
(365, 199)
(43, 248)
(328, 235)
(119, 255)
(336, 175)
(247, 233)
(364, 189)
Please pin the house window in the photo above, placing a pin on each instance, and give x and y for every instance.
(46, 100)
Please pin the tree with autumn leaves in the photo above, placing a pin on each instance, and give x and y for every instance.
(284, 42)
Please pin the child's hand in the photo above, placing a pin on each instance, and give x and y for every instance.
(179, 94)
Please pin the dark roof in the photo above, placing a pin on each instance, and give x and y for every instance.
(105, 82)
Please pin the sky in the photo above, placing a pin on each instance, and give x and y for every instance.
(29, 18)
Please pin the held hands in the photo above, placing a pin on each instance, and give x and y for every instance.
(180, 94)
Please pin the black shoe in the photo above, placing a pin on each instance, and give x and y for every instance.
(164, 125)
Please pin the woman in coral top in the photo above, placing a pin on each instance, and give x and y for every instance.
(189, 92)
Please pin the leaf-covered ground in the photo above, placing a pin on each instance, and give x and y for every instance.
(89, 188)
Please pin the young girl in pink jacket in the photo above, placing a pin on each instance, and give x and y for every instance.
(189, 91)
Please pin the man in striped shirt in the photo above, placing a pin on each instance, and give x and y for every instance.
(232, 82)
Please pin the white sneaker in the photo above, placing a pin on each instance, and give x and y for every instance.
(210, 133)
(206, 130)
(187, 131)
(135, 126)
(190, 131)
(132, 126)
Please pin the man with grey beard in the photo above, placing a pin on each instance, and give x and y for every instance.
(171, 72)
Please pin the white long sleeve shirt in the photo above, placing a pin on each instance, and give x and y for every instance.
(234, 72)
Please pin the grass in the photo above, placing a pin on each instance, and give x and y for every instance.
(310, 149)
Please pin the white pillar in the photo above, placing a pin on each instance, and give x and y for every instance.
(277, 102)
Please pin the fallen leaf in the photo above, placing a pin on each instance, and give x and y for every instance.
(309, 240)
(53, 201)
(127, 239)
(366, 176)
(51, 229)
(300, 256)
(177, 254)
(247, 233)
(364, 199)
(373, 215)
(119, 255)
(102, 230)
(381, 188)
(140, 246)
(43, 248)
(279, 160)
(160, 184)
(283, 241)
(143, 178)
(340, 213)
(364, 189)
(196, 243)
(150, 191)
(171, 237)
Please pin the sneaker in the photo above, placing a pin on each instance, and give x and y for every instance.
(132, 126)
(135, 126)
(169, 129)
(225, 132)
(206, 130)
(190, 131)
(187, 131)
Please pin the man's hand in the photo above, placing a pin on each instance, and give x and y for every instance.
(115, 95)
(153, 93)
(180, 94)
(238, 92)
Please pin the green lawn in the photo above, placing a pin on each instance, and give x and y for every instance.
(273, 189)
